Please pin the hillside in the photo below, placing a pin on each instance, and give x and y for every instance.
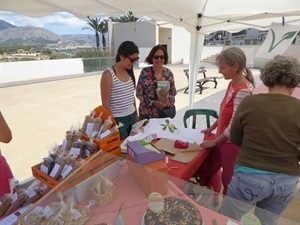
(4, 25)
(12, 35)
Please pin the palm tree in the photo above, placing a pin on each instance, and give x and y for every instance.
(125, 18)
(103, 29)
(98, 25)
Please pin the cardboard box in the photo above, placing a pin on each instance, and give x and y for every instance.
(142, 155)
(151, 177)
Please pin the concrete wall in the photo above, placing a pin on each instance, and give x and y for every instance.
(30, 70)
(142, 33)
(181, 39)
(146, 35)
(11, 72)
(165, 38)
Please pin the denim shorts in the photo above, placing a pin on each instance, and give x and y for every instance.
(270, 193)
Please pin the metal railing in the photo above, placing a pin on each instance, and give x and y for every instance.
(97, 64)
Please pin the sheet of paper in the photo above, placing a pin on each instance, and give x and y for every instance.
(181, 155)
(156, 128)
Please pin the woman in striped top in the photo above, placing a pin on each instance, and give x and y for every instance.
(117, 88)
(232, 65)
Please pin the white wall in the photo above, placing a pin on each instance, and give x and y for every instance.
(211, 50)
(30, 70)
(180, 40)
(142, 33)
(146, 35)
(165, 38)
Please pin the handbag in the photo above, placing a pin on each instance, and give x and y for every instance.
(167, 112)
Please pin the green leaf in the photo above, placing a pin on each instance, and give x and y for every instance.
(167, 122)
(165, 128)
(289, 35)
(171, 130)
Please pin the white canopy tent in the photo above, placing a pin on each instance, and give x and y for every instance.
(199, 17)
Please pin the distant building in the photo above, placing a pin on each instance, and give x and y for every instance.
(248, 36)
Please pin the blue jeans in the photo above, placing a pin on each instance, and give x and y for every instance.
(270, 193)
(127, 122)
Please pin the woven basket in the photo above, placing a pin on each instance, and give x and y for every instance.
(102, 190)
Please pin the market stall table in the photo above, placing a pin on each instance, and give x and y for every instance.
(185, 171)
(132, 202)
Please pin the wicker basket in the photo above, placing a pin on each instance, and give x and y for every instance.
(102, 190)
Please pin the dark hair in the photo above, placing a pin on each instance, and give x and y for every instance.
(149, 58)
(125, 49)
(281, 70)
(233, 55)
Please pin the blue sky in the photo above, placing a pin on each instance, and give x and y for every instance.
(59, 23)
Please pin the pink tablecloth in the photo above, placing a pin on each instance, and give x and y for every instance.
(134, 203)
(263, 89)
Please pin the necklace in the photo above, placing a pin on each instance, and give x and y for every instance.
(158, 74)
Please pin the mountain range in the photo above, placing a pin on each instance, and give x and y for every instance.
(13, 35)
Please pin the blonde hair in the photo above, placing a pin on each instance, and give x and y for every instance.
(233, 55)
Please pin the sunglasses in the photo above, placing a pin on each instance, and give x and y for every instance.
(162, 57)
(132, 60)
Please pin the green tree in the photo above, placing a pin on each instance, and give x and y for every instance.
(103, 30)
(98, 25)
(125, 18)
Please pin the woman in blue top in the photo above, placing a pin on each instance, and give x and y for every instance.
(117, 88)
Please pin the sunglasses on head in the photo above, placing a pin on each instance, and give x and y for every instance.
(133, 59)
(159, 57)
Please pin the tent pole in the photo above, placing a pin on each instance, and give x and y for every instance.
(196, 49)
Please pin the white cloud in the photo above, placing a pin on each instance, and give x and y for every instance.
(60, 22)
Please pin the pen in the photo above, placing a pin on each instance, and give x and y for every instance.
(174, 167)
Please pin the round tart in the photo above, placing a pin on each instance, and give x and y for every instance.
(176, 212)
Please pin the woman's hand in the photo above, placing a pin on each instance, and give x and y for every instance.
(209, 144)
(208, 130)
(159, 105)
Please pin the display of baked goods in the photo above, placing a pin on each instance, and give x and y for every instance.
(11, 201)
(67, 213)
(98, 127)
(176, 212)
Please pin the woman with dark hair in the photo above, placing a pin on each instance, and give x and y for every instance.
(117, 88)
(156, 87)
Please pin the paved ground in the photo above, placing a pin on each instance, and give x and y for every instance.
(39, 114)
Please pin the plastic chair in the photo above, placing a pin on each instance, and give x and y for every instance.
(198, 112)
